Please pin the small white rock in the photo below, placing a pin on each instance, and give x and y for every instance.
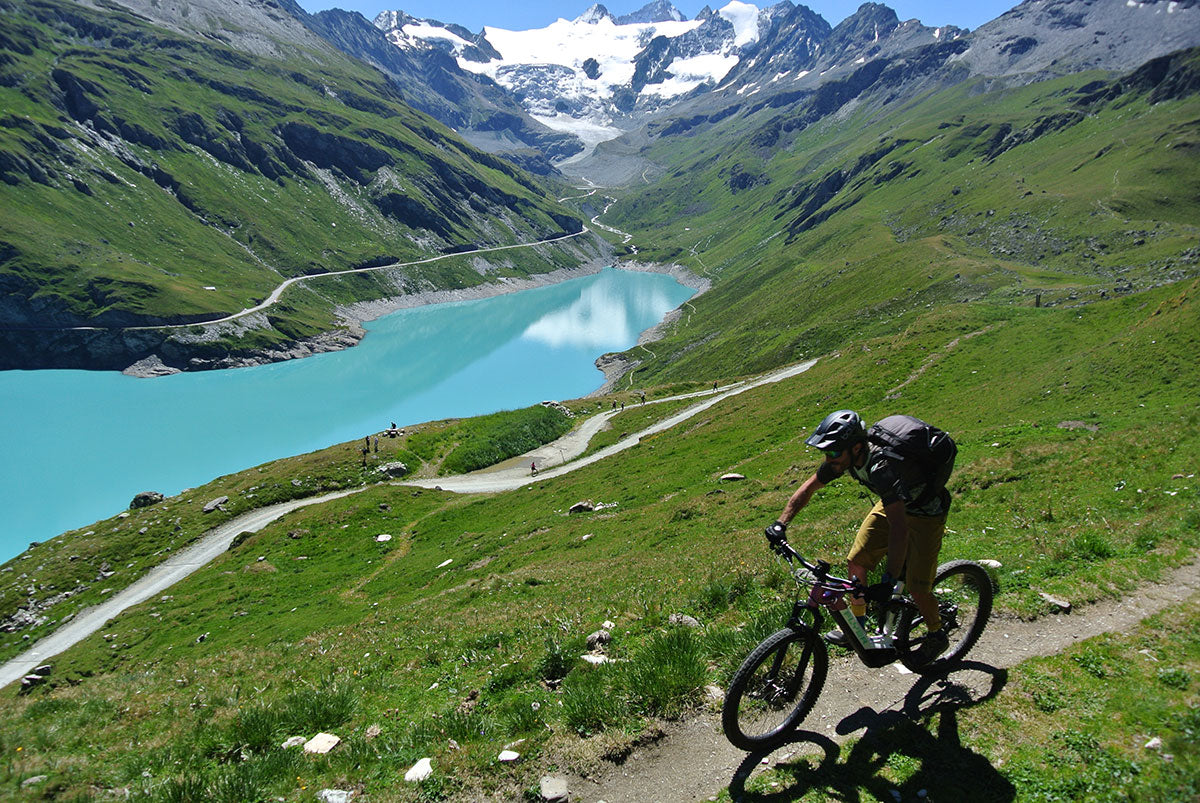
(445, 563)
(595, 659)
(1154, 743)
(321, 743)
(383, 537)
(335, 796)
(419, 771)
(608, 624)
(508, 756)
(990, 564)
(295, 741)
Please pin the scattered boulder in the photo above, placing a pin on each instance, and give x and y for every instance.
(335, 796)
(383, 538)
(508, 756)
(146, 499)
(683, 620)
(598, 639)
(419, 771)
(321, 743)
(216, 504)
(1063, 605)
(33, 780)
(373, 731)
(990, 564)
(609, 625)
(554, 789)
(294, 741)
(595, 660)
(29, 682)
(732, 477)
(586, 506)
(1154, 744)
(393, 469)
(714, 693)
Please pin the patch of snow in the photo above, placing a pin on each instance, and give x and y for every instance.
(861, 60)
(744, 19)
(424, 30)
(687, 74)
(591, 132)
(614, 47)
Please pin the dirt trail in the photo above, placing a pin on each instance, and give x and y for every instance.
(514, 474)
(694, 762)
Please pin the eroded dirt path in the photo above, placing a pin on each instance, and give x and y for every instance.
(694, 762)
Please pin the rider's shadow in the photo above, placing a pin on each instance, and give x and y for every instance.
(928, 762)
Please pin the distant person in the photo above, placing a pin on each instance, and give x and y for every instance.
(533, 468)
(375, 444)
(906, 462)
(714, 385)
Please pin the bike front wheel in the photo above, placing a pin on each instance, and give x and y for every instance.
(774, 688)
(963, 590)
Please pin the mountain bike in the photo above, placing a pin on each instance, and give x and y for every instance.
(778, 684)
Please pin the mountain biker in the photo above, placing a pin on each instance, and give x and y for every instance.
(905, 526)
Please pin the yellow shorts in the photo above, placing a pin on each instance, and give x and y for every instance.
(924, 543)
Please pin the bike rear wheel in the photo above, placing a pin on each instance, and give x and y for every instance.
(774, 688)
(963, 590)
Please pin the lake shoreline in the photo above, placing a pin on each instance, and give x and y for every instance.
(356, 314)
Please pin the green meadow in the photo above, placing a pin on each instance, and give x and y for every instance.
(1016, 265)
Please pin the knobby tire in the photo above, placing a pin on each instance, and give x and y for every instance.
(965, 602)
(774, 689)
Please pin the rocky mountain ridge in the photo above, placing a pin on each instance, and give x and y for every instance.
(561, 77)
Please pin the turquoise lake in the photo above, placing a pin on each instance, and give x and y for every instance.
(78, 445)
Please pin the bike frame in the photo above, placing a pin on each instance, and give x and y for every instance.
(829, 592)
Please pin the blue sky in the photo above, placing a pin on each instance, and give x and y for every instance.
(525, 14)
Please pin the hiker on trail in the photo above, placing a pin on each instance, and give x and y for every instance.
(533, 467)
(906, 462)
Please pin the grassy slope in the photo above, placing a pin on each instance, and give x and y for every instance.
(1064, 510)
(312, 624)
(1101, 204)
(194, 181)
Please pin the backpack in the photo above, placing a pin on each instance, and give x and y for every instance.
(903, 437)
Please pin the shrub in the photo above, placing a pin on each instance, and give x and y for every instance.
(1092, 546)
(312, 710)
(591, 700)
(668, 672)
(558, 659)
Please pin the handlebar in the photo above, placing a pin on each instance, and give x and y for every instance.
(819, 570)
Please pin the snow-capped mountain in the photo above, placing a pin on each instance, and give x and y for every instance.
(598, 75)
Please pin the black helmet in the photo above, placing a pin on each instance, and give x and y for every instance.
(839, 430)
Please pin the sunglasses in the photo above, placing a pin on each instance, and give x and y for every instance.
(833, 454)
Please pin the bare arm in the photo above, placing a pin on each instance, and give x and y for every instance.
(800, 498)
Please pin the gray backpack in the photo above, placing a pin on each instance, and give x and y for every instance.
(911, 440)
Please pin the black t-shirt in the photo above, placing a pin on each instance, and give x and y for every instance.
(892, 479)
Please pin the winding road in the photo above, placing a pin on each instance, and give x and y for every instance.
(277, 293)
(555, 456)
